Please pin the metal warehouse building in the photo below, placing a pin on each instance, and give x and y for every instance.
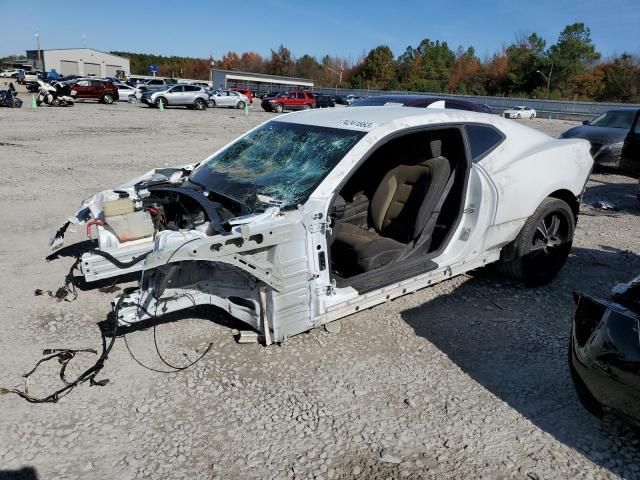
(257, 82)
(79, 61)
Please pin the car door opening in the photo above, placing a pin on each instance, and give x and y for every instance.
(396, 211)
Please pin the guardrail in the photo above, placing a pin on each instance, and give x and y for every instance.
(556, 109)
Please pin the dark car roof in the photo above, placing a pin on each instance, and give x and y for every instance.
(420, 101)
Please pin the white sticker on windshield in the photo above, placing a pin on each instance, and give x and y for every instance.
(393, 104)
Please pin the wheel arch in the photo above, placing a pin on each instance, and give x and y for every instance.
(507, 253)
(570, 199)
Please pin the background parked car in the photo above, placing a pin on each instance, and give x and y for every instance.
(292, 100)
(323, 101)
(614, 138)
(228, 98)
(189, 96)
(520, 111)
(93, 89)
(605, 352)
(125, 91)
(11, 73)
(420, 101)
(246, 92)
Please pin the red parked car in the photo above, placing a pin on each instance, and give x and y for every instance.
(245, 91)
(292, 100)
(92, 88)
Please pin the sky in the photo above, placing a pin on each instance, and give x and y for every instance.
(347, 29)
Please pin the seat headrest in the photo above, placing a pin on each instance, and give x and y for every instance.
(436, 148)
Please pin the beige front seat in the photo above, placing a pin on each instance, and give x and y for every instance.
(401, 206)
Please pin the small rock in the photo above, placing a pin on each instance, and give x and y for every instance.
(410, 402)
(386, 457)
(357, 470)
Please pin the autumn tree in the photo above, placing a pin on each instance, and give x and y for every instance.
(621, 79)
(252, 62)
(230, 61)
(465, 74)
(281, 62)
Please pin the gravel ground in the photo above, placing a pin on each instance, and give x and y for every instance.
(465, 379)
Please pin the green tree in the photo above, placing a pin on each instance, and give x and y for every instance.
(572, 55)
(307, 67)
(379, 67)
(525, 57)
(436, 62)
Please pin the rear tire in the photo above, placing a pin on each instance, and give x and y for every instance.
(307, 107)
(199, 104)
(107, 99)
(543, 244)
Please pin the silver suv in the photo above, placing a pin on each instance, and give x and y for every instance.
(190, 96)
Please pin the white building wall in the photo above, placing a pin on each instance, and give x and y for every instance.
(53, 59)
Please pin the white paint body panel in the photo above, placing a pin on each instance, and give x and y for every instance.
(271, 260)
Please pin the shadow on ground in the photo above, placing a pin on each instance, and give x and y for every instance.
(514, 342)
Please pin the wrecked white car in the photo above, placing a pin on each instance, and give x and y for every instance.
(313, 216)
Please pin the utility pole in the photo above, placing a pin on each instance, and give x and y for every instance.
(39, 65)
(547, 78)
(338, 75)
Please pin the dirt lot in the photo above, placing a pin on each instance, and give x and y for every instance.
(465, 379)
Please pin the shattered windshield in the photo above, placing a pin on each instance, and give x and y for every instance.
(279, 164)
(615, 119)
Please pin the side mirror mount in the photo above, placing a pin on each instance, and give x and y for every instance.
(585, 122)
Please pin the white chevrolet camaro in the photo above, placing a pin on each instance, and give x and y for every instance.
(313, 216)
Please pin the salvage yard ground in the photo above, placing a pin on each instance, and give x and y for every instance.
(465, 379)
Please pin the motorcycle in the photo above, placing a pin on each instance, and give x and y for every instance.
(52, 95)
(9, 98)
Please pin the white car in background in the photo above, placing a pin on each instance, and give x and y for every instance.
(12, 73)
(520, 111)
(127, 93)
(228, 98)
(316, 215)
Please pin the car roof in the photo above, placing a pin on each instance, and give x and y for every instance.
(393, 118)
(412, 100)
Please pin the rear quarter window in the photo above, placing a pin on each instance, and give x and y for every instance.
(482, 140)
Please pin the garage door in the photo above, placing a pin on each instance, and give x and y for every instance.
(92, 69)
(113, 69)
(68, 68)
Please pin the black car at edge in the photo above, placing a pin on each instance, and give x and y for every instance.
(604, 354)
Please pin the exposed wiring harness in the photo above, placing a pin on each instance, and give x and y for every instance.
(64, 356)
(175, 368)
